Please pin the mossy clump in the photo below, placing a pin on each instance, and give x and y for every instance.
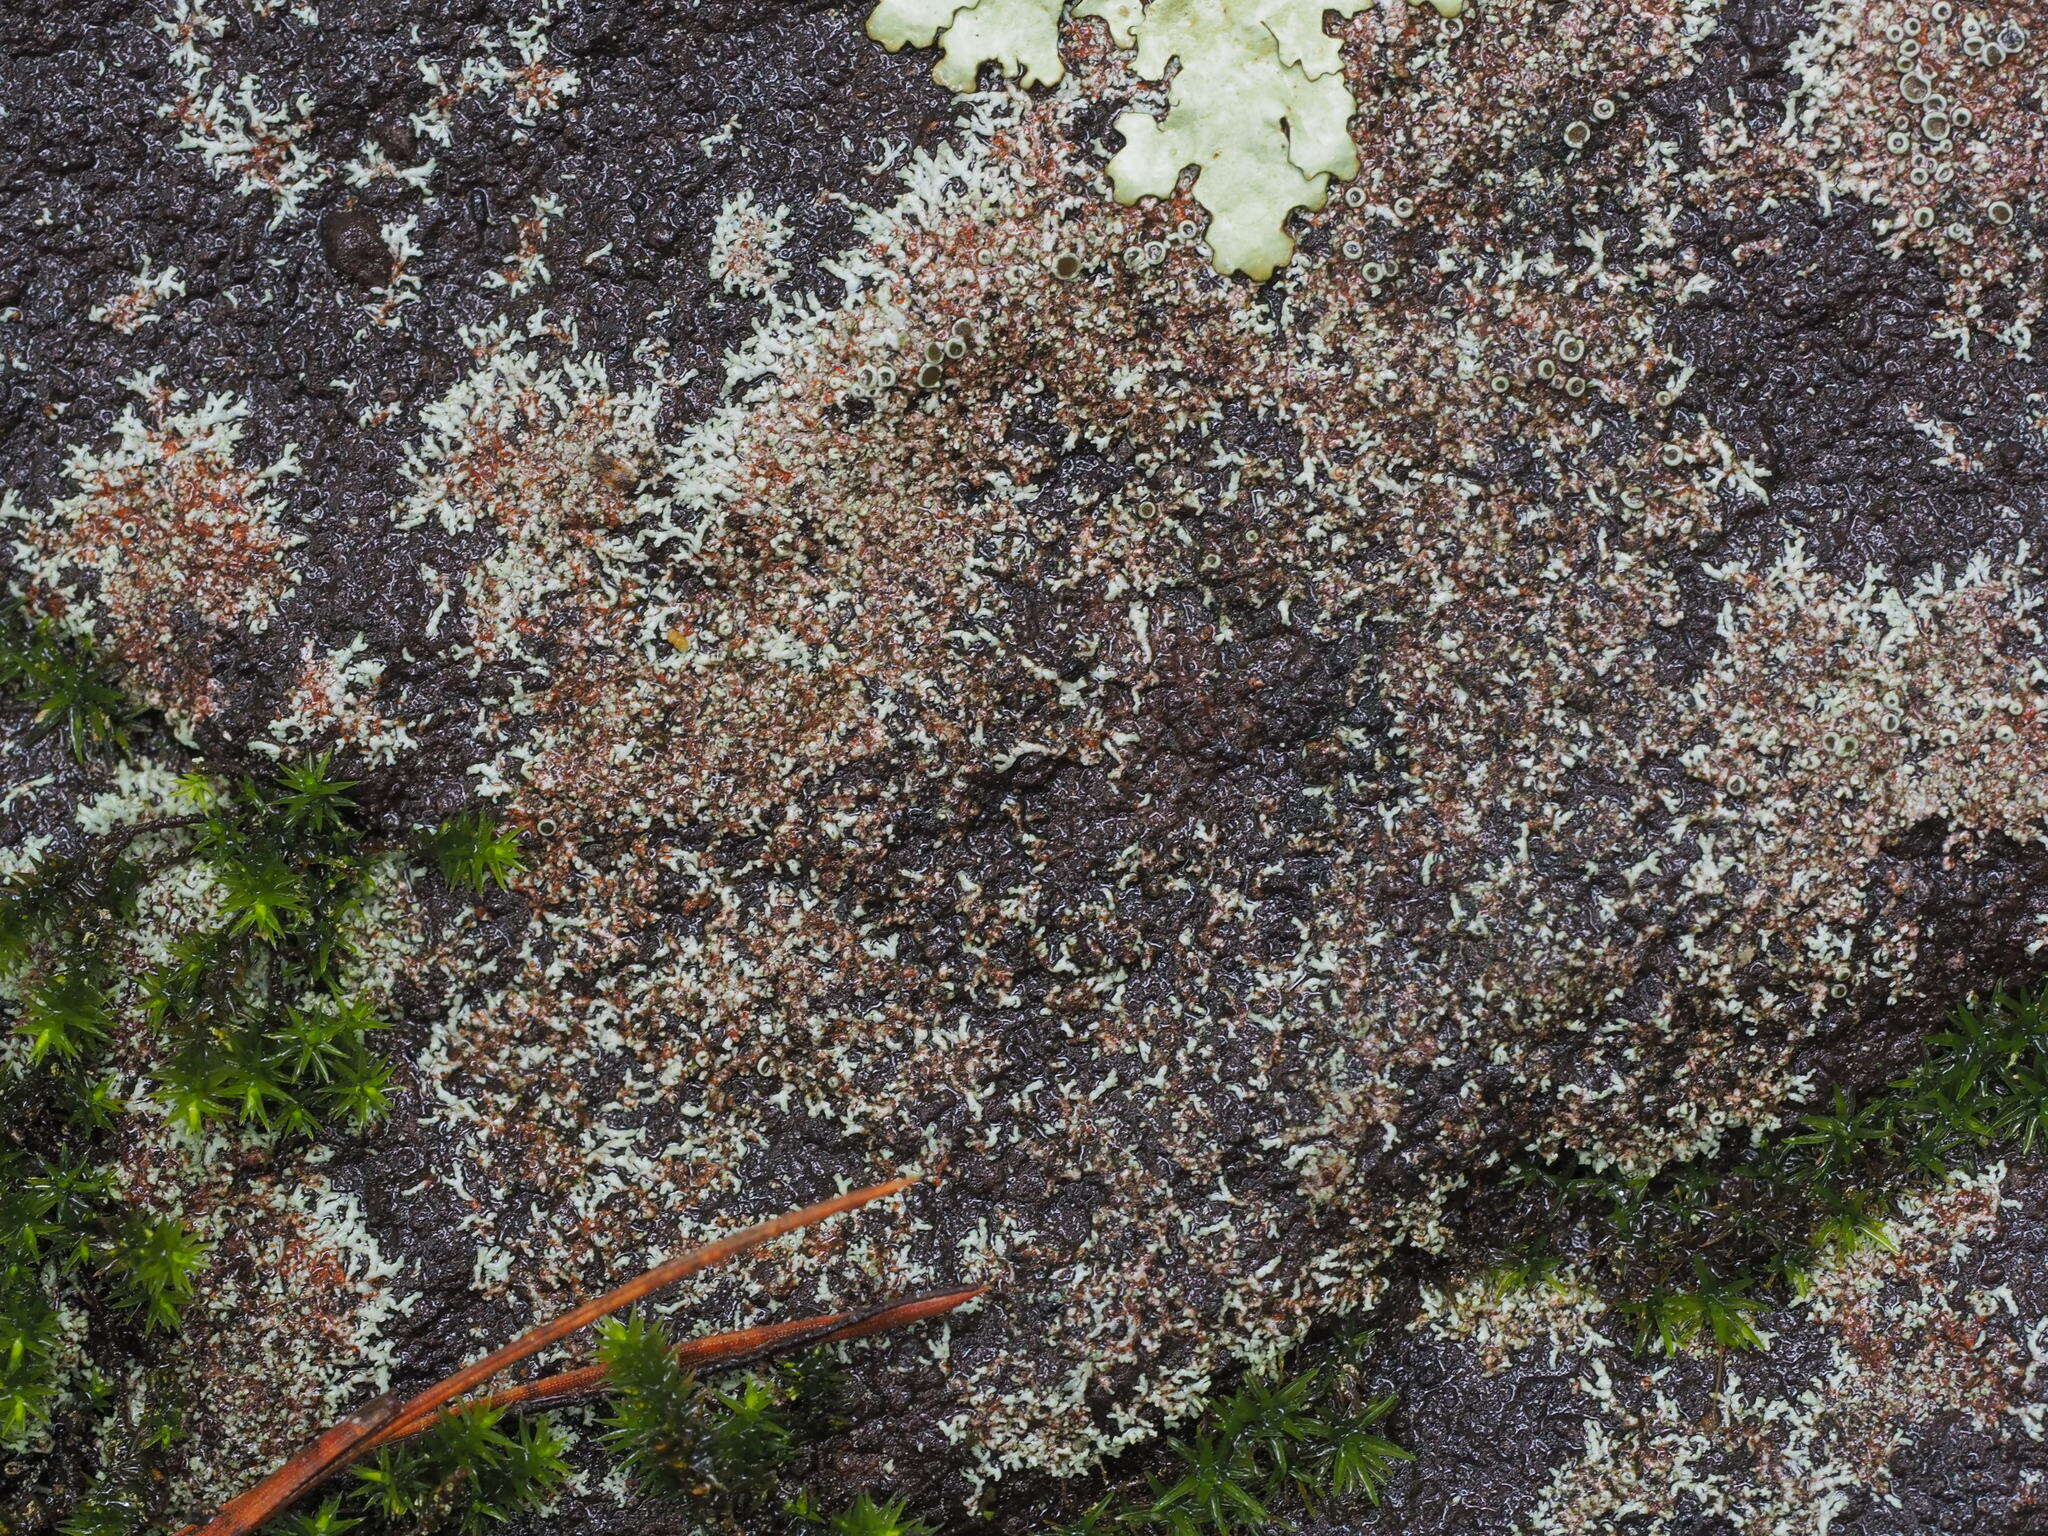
(865, 1516)
(240, 1011)
(1288, 1443)
(731, 1450)
(467, 1475)
(473, 852)
(255, 1009)
(1694, 1253)
(682, 1436)
(54, 674)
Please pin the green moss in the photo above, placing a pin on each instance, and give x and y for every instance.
(255, 1010)
(65, 1234)
(473, 852)
(863, 1517)
(56, 676)
(1276, 1445)
(1693, 1253)
(723, 1445)
(250, 1023)
(253, 1024)
(468, 1474)
(1284, 1445)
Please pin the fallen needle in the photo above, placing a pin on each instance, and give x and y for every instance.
(352, 1437)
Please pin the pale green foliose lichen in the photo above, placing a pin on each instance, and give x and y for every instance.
(1258, 106)
(1021, 36)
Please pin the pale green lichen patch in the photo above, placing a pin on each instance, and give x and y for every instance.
(1258, 108)
(1257, 105)
(1020, 36)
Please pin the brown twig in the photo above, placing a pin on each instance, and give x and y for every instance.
(347, 1441)
(282, 1488)
(119, 837)
(742, 1346)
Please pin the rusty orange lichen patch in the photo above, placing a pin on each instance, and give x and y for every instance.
(167, 542)
(333, 703)
(875, 580)
(882, 575)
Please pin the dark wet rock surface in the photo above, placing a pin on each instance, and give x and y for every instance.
(799, 98)
(1810, 358)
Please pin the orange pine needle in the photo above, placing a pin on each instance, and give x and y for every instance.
(738, 1347)
(348, 1440)
(246, 1511)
